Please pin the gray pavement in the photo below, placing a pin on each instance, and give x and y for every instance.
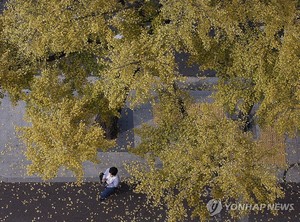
(13, 163)
(191, 70)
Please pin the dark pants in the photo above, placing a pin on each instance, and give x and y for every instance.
(107, 192)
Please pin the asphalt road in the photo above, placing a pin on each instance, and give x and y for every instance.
(24, 202)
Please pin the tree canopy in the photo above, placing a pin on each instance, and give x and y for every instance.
(202, 151)
(80, 58)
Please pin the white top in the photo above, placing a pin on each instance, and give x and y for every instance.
(112, 181)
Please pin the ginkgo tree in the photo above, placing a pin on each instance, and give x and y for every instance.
(199, 152)
(254, 47)
(62, 131)
(79, 58)
(49, 59)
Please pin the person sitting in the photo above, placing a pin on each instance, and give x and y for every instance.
(111, 181)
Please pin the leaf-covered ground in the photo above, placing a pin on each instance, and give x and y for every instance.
(22, 202)
(69, 202)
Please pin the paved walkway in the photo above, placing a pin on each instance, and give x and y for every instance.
(13, 163)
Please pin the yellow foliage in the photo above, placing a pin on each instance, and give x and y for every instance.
(82, 58)
(204, 149)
